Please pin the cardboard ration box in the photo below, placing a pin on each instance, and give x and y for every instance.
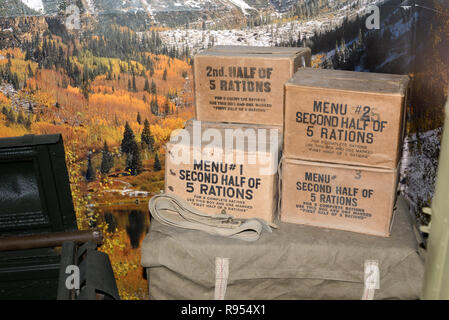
(358, 199)
(345, 117)
(230, 167)
(244, 84)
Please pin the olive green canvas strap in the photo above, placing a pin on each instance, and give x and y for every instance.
(171, 210)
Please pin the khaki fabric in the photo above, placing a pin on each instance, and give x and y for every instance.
(293, 262)
(171, 210)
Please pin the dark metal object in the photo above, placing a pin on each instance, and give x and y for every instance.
(96, 274)
(35, 193)
(48, 240)
(36, 218)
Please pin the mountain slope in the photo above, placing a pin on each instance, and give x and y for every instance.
(50, 7)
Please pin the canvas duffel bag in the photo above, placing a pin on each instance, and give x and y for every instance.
(293, 262)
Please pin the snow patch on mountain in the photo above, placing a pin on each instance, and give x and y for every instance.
(36, 5)
(147, 7)
(191, 4)
(90, 6)
(178, 5)
(267, 35)
(242, 5)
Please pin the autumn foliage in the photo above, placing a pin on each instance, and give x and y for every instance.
(88, 99)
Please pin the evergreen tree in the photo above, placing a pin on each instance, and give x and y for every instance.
(129, 84)
(107, 161)
(20, 118)
(147, 86)
(133, 160)
(11, 117)
(85, 90)
(28, 123)
(360, 38)
(15, 81)
(167, 106)
(134, 83)
(139, 120)
(146, 138)
(90, 173)
(128, 138)
(153, 87)
(154, 106)
(157, 163)
(30, 71)
(164, 76)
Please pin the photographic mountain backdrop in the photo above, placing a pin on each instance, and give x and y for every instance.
(115, 78)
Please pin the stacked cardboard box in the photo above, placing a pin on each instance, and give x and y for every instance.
(341, 135)
(244, 84)
(342, 139)
(228, 159)
(236, 178)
